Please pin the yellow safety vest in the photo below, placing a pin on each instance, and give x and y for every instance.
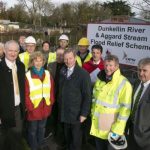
(88, 57)
(51, 57)
(24, 57)
(39, 89)
(111, 106)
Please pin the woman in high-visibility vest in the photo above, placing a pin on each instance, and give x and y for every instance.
(49, 55)
(39, 98)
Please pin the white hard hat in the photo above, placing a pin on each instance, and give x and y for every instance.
(30, 40)
(117, 141)
(64, 37)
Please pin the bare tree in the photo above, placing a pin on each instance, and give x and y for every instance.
(143, 6)
(145, 9)
(37, 9)
(2, 9)
(77, 13)
(18, 13)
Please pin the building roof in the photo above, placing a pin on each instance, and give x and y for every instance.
(125, 19)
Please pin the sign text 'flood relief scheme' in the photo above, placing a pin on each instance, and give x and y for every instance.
(130, 42)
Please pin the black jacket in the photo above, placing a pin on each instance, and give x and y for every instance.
(74, 95)
(7, 114)
(54, 68)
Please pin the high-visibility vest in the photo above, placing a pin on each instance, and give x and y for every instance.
(111, 106)
(24, 57)
(88, 57)
(38, 89)
(51, 57)
(78, 60)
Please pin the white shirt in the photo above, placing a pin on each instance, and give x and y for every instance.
(96, 63)
(11, 65)
(146, 84)
(70, 71)
(94, 74)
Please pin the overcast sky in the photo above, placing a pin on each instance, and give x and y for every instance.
(132, 2)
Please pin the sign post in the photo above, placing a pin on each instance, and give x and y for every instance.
(130, 42)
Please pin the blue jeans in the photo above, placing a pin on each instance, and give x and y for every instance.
(36, 131)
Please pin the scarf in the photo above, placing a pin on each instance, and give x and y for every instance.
(38, 72)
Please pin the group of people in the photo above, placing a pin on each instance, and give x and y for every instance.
(81, 93)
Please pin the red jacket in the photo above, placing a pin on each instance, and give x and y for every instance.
(42, 111)
(90, 67)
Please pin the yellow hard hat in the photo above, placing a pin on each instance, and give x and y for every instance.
(83, 42)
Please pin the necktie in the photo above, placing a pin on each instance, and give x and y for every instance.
(15, 79)
(137, 101)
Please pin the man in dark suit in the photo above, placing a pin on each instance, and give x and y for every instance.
(74, 99)
(139, 122)
(54, 69)
(12, 75)
(53, 124)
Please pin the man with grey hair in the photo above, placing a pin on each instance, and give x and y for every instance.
(111, 105)
(139, 122)
(12, 75)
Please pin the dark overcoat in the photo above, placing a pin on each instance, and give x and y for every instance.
(7, 102)
(74, 95)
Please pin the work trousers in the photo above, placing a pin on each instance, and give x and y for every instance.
(103, 144)
(73, 136)
(132, 144)
(11, 137)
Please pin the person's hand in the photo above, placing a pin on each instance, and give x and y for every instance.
(82, 119)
